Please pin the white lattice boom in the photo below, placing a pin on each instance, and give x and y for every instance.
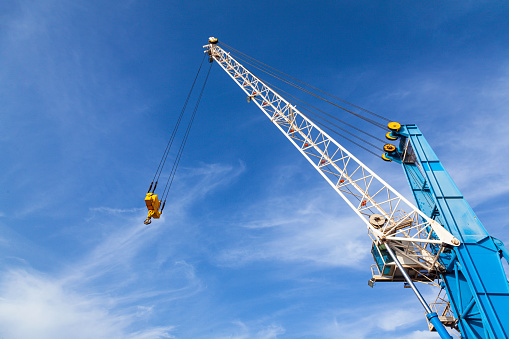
(402, 224)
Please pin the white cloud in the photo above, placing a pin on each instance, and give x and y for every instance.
(107, 293)
(419, 335)
(204, 179)
(465, 122)
(272, 331)
(390, 320)
(297, 228)
(36, 306)
(124, 235)
(241, 330)
(481, 181)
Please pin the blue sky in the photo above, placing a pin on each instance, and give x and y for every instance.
(253, 243)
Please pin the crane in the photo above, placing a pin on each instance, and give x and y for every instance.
(441, 242)
(474, 280)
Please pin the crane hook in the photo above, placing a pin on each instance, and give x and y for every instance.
(147, 221)
(153, 205)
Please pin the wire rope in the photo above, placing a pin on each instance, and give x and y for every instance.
(331, 123)
(176, 163)
(371, 121)
(331, 116)
(162, 162)
(266, 69)
(341, 135)
(353, 142)
(306, 84)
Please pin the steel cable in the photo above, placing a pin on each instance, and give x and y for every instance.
(353, 142)
(169, 182)
(162, 162)
(371, 121)
(305, 84)
(331, 116)
(331, 123)
(336, 132)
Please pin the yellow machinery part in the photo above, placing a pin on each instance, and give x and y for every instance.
(213, 40)
(389, 148)
(153, 205)
(384, 156)
(390, 137)
(394, 126)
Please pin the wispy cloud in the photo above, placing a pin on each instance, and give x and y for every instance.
(418, 335)
(392, 320)
(241, 330)
(107, 293)
(461, 114)
(87, 97)
(37, 306)
(295, 227)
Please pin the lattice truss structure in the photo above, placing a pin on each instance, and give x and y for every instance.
(389, 217)
(442, 307)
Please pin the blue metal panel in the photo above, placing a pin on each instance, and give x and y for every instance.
(474, 279)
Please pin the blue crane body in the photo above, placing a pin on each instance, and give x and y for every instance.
(474, 277)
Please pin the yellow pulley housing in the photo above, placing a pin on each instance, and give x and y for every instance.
(394, 126)
(213, 40)
(384, 157)
(389, 148)
(390, 137)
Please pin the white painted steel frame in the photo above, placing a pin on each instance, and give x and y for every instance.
(350, 178)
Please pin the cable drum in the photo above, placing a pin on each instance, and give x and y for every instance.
(377, 220)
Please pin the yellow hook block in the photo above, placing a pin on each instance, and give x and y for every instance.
(153, 205)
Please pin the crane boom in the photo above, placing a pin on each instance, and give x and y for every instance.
(413, 238)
